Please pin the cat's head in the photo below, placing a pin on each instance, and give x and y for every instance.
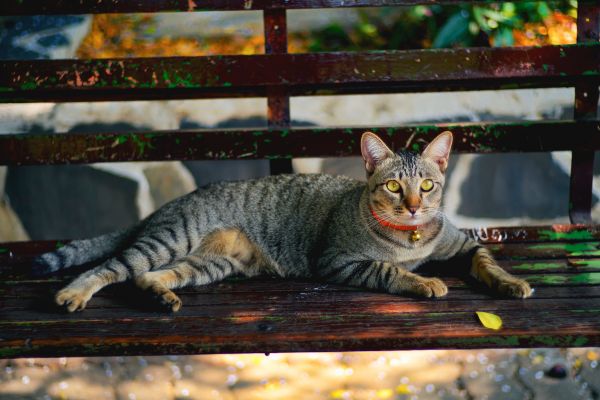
(405, 188)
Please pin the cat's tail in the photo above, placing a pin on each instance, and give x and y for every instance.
(79, 252)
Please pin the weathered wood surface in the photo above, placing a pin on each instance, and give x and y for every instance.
(35, 7)
(586, 108)
(285, 143)
(562, 262)
(302, 74)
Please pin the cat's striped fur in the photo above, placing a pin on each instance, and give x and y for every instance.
(290, 226)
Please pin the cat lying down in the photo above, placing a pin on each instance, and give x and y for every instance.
(330, 228)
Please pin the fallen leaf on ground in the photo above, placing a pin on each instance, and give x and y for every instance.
(385, 393)
(489, 320)
(403, 389)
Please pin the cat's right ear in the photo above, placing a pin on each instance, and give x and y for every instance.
(373, 150)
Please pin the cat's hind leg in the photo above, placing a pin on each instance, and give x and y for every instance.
(142, 256)
(221, 253)
(192, 270)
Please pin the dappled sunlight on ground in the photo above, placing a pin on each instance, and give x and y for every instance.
(501, 374)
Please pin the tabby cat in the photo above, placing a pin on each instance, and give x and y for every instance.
(331, 228)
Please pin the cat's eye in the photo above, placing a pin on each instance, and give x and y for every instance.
(393, 186)
(427, 185)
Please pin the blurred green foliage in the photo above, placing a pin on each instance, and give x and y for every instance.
(436, 26)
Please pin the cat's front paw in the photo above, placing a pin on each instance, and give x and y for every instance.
(515, 287)
(73, 299)
(170, 300)
(430, 287)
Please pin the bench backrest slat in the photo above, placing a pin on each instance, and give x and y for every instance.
(285, 143)
(317, 73)
(36, 7)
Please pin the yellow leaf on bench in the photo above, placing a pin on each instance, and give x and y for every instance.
(491, 321)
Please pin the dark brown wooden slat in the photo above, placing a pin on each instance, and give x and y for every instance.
(36, 7)
(321, 305)
(42, 291)
(586, 108)
(541, 273)
(582, 278)
(21, 253)
(555, 250)
(545, 267)
(18, 271)
(525, 234)
(76, 148)
(346, 308)
(39, 296)
(278, 99)
(290, 332)
(317, 73)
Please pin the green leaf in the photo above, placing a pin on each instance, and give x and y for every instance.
(478, 15)
(504, 37)
(489, 320)
(455, 29)
(543, 9)
(508, 10)
(493, 14)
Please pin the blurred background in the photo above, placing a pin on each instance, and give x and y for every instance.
(56, 202)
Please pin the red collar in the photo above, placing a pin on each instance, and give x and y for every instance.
(388, 224)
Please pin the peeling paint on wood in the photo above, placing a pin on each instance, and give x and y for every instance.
(285, 143)
(301, 74)
(591, 278)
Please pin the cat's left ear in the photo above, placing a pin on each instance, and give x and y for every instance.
(438, 150)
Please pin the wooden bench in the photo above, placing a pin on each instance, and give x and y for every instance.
(267, 315)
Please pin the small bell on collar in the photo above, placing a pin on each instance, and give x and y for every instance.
(415, 236)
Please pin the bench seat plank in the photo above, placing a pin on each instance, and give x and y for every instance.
(272, 315)
(303, 74)
(277, 329)
(205, 144)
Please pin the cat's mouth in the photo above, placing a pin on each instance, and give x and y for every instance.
(410, 219)
(400, 216)
(404, 213)
(405, 217)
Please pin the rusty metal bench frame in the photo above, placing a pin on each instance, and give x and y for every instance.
(265, 315)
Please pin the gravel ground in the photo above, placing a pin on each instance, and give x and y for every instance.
(487, 374)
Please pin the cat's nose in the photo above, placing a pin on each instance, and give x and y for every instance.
(412, 203)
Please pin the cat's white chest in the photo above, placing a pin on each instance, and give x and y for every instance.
(413, 255)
